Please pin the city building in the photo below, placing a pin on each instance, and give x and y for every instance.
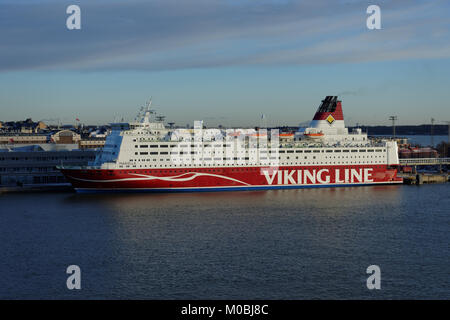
(23, 138)
(35, 165)
(65, 137)
(91, 143)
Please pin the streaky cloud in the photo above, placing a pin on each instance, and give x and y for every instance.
(169, 35)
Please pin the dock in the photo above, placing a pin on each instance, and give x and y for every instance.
(424, 178)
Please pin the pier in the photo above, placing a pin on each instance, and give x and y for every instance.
(424, 178)
(424, 161)
(413, 177)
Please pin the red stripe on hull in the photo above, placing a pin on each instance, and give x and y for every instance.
(229, 177)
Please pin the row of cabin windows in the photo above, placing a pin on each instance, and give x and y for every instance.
(181, 146)
(143, 133)
(247, 158)
(281, 151)
(264, 163)
(181, 153)
(195, 152)
(264, 160)
(206, 159)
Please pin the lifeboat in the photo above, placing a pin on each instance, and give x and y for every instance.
(314, 135)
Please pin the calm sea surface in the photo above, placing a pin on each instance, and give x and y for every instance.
(283, 244)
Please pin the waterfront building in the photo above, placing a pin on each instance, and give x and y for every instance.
(35, 165)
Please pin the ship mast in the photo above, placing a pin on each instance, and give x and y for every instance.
(146, 112)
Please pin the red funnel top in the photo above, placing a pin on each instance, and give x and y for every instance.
(329, 106)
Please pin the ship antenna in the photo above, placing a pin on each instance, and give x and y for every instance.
(148, 104)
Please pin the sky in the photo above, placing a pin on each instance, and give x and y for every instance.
(224, 61)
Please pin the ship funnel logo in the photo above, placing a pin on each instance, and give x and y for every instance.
(330, 119)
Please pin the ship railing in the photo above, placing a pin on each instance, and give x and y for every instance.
(105, 165)
(378, 145)
(424, 161)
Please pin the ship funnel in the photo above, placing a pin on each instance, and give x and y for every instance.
(329, 106)
(328, 116)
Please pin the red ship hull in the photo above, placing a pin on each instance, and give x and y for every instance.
(228, 178)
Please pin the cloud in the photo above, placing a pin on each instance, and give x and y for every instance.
(169, 34)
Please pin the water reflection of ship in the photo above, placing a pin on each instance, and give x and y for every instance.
(337, 199)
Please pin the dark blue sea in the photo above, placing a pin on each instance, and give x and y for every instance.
(280, 244)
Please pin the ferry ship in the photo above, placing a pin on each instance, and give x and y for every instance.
(145, 155)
